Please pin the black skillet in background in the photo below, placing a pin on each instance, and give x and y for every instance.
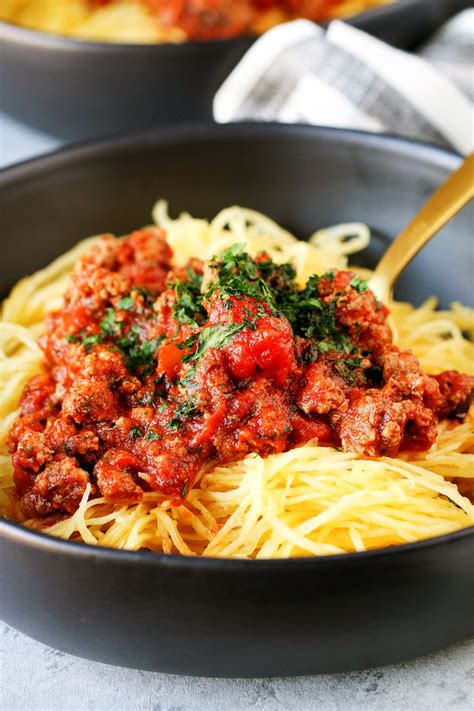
(74, 90)
(228, 617)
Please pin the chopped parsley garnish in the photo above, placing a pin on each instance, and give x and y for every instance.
(90, 340)
(135, 432)
(188, 343)
(324, 346)
(188, 307)
(151, 435)
(314, 319)
(185, 409)
(238, 275)
(359, 284)
(87, 340)
(139, 356)
(109, 325)
(126, 303)
(213, 337)
(347, 369)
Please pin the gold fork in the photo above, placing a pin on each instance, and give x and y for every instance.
(442, 206)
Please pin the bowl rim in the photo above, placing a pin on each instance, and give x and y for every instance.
(31, 538)
(437, 155)
(198, 131)
(51, 40)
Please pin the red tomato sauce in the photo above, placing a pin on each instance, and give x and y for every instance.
(153, 372)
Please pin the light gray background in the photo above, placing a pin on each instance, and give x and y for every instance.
(36, 678)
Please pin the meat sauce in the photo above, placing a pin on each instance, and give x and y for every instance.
(212, 19)
(152, 372)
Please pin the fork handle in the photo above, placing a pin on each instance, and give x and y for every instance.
(446, 202)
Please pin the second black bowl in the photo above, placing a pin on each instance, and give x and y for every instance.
(73, 89)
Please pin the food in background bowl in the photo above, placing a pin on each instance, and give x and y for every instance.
(149, 21)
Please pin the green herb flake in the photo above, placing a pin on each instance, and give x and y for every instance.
(324, 347)
(109, 325)
(188, 343)
(347, 369)
(139, 357)
(215, 336)
(360, 285)
(135, 432)
(188, 307)
(126, 303)
(239, 275)
(88, 341)
(151, 435)
(184, 410)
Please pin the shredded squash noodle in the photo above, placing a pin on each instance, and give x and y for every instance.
(311, 500)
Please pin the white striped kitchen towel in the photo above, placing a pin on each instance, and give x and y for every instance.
(299, 73)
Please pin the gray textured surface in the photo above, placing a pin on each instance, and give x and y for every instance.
(37, 678)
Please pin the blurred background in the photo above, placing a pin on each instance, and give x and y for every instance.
(79, 69)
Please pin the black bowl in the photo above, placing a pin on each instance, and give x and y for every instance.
(74, 89)
(230, 617)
